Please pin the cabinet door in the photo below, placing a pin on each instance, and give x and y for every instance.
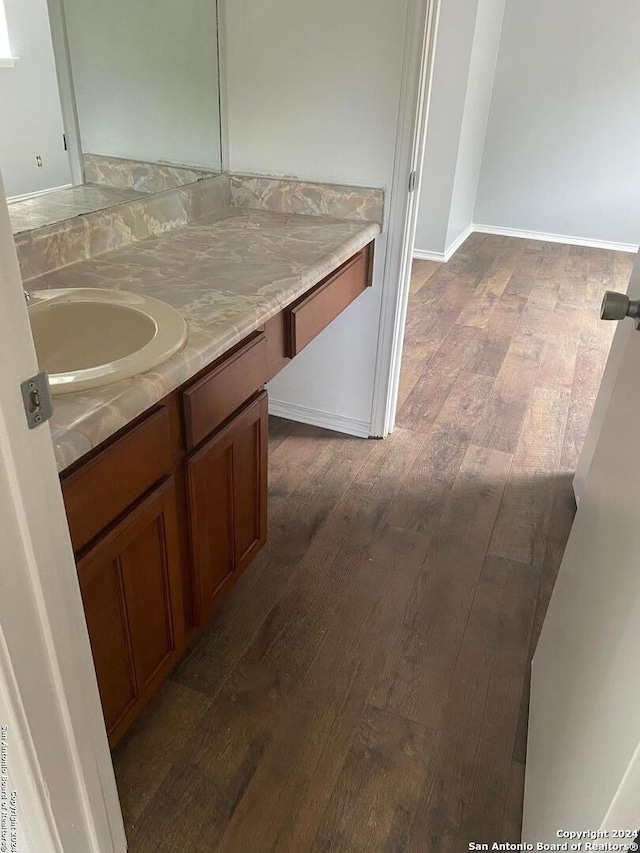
(131, 591)
(227, 493)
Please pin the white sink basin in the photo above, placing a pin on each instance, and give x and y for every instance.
(88, 337)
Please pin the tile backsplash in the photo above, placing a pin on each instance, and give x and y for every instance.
(139, 175)
(46, 249)
(55, 246)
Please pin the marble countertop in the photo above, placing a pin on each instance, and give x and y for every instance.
(227, 274)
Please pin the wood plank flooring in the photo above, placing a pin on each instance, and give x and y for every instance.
(364, 687)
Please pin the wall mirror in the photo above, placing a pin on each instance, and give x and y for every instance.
(129, 103)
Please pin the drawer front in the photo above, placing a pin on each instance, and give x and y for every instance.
(313, 312)
(97, 493)
(222, 391)
(275, 330)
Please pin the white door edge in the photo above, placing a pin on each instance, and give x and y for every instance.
(49, 691)
(623, 812)
(607, 383)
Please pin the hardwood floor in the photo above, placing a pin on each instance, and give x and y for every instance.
(364, 687)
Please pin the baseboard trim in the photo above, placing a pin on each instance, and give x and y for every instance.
(422, 255)
(555, 238)
(316, 417)
(453, 247)
(443, 257)
(13, 199)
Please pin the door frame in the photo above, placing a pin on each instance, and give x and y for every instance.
(59, 761)
(413, 115)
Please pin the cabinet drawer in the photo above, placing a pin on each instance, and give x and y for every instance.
(275, 330)
(230, 384)
(101, 490)
(313, 312)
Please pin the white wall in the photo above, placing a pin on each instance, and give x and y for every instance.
(466, 53)
(313, 91)
(561, 154)
(30, 115)
(482, 68)
(454, 41)
(146, 78)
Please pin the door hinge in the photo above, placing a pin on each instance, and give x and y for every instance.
(36, 397)
(412, 181)
(64, 141)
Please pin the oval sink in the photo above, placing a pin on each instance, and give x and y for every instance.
(87, 337)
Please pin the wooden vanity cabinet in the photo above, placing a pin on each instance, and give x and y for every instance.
(227, 503)
(167, 514)
(131, 591)
(161, 531)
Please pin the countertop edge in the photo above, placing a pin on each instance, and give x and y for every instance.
(133, 397)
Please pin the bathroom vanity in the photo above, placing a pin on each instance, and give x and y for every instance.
(164, 471)
(164, 475)
(167, 515)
